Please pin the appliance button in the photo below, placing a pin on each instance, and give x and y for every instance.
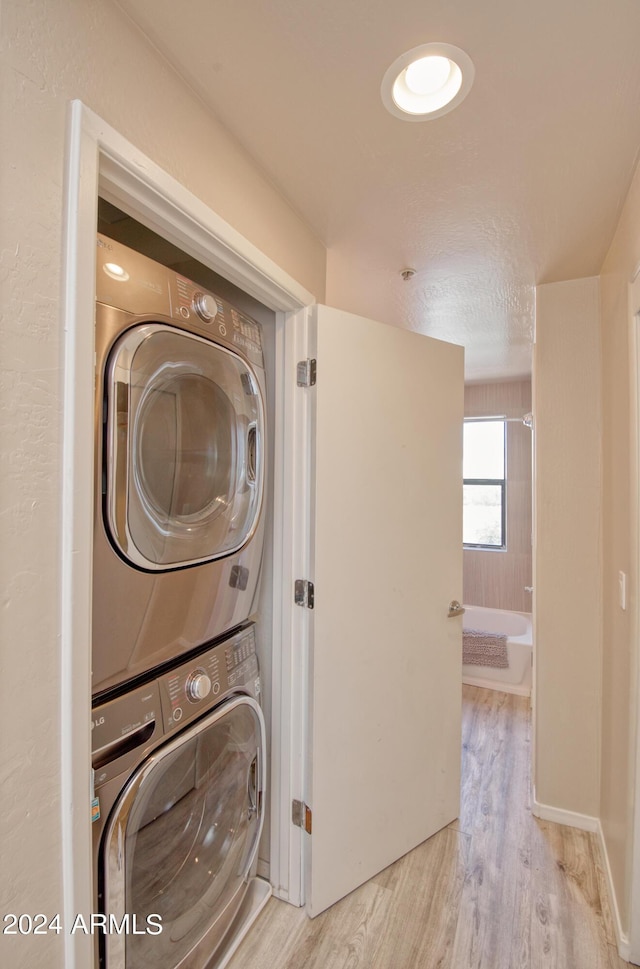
(205, 306)
(198, 686)
(177, 714)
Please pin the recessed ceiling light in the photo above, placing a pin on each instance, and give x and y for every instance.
(427, 82)
(116, 272)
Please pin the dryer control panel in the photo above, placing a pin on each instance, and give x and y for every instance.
(132, 282)
(215, 317)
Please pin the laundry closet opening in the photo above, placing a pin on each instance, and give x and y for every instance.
(121, 227)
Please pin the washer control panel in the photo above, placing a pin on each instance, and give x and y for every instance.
(198, 686)
(125, 729)
(204, 681)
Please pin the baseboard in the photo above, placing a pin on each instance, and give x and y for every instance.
(587, 823)
(571, 818)
(622, 939)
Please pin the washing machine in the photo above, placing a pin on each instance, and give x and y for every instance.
(180, 466)
(179, 778)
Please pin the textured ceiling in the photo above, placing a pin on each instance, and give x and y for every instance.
(521, 184)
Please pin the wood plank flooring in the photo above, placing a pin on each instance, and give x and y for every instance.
(496, 889)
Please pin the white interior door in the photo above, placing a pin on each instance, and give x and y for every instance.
(385, 660)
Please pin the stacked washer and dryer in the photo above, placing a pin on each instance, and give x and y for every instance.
(178, 738)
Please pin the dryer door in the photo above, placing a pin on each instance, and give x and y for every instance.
(184, 445)
(182, 839)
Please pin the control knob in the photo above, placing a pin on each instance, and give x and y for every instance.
(198, 686)
(205, 306)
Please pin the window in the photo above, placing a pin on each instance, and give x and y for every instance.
(483, 520)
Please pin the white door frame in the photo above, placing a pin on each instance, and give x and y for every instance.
(634, 356)
(100, 161)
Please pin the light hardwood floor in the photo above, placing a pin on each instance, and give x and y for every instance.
(496, 889)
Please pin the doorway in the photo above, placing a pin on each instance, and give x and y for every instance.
(103, 164)
(421, 583)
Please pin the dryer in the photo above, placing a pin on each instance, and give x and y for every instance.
(180, 466)
(179, 778)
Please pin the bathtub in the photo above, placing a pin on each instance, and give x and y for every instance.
(517, 625)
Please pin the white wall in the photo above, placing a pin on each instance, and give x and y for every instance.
(54, 51)
(619, 701)
(567, 558)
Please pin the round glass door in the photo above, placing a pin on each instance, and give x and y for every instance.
(184, 835)
(184, 448)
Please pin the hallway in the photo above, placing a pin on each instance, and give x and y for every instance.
(496, 889)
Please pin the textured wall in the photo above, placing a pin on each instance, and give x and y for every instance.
(567, 559)
(54, 51)
(618, 699)
(496, 578)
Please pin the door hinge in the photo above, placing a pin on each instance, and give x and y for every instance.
(306, 373)
(304, 593)
(301, 815)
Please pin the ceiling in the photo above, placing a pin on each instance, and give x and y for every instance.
(521, 184)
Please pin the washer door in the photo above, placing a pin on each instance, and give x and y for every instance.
(182, 839)
(184, 444)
